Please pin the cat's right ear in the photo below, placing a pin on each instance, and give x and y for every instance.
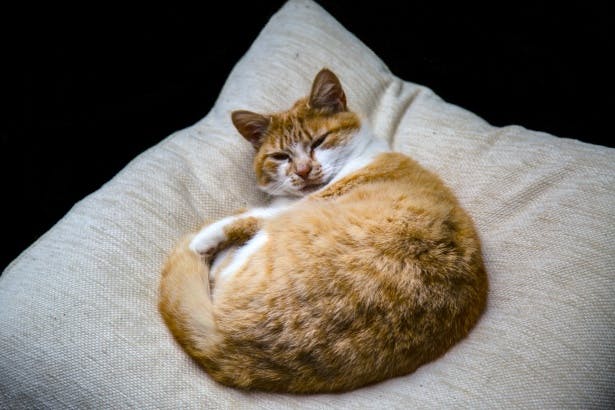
(251, 126)
(327, 93)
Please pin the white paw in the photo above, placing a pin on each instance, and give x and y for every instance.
(208, 239)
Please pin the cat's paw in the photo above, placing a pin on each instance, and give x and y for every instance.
(208, 240)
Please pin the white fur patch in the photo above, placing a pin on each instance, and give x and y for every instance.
(243, 255)
(358, 153)
(209, 237)
(215, 265)
(212, 235)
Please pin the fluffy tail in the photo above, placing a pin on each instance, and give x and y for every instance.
(185, 303)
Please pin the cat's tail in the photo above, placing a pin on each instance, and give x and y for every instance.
(185, 302)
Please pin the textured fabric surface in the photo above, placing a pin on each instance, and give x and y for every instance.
(78, 320)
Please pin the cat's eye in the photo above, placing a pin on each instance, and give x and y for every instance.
(320, 140)
(280, 156)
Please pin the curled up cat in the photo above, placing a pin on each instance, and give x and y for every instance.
(363, 267)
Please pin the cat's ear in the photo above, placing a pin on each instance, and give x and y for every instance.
(251, 126)
(327, 93)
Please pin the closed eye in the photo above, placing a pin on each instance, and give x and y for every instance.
(320, 140)
(279, 156)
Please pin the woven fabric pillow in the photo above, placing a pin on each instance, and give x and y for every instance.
(78, 321)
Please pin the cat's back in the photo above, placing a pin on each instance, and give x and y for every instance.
(383, 260)
(383, 234)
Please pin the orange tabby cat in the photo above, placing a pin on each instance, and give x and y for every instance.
(363, 267)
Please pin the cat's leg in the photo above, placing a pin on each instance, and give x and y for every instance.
(232, 230)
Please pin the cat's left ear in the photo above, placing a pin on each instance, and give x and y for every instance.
(327, 93)
(251, 126)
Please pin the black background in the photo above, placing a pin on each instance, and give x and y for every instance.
(84, 90)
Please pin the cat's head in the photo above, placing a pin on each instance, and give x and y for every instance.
(302, 149)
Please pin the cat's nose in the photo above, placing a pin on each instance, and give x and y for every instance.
(303, 170)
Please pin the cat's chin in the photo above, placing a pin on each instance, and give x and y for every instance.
(301, 192)
(308, 189)
(297, 192)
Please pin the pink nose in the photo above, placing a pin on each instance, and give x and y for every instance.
(303, 170)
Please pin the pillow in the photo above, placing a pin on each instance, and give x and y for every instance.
(78, 320)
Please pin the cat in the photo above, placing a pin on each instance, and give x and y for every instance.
(363, 267)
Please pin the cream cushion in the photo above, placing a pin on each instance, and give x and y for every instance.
(78, 321)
